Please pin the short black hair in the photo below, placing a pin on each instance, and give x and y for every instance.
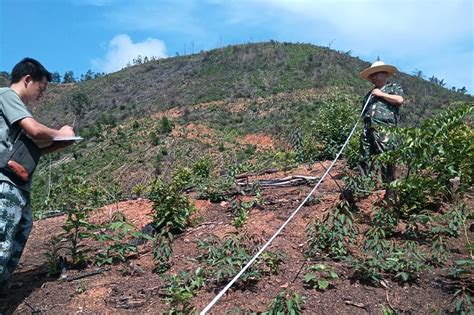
(29, 66)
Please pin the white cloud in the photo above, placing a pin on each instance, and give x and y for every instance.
(421, 34)
(432, 35)
(122, 50)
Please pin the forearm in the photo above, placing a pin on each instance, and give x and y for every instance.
(392, 98)
(39, 131)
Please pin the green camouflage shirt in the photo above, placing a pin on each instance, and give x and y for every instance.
(379, 110)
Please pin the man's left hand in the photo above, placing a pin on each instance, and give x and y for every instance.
(377, 92)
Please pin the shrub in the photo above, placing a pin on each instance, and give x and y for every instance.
(333, 234)
(440, 150)
(322, 138)
(170, 206)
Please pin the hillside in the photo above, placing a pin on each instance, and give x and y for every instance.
(225, 94)
(240, 71)
(133, 287)
(178, 182)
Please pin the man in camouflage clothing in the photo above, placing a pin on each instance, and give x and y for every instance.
(29, 80)
(382, 111)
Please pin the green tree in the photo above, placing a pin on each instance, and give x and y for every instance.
(89, 75)
(55, 77)
(69, 77)
(79, 101)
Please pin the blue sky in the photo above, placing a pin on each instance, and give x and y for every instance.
(434, 36)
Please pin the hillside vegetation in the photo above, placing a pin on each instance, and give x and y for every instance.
(240, 71)
(149, 119)
(182, 131)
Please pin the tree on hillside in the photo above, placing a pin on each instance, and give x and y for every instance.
(5, 75)
(89, 75)
(55, 77)
(69, 77)
(418, 73)
(437, 81)
(462, 90)
(138, 60)
(79, 102)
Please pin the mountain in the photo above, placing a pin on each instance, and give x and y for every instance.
(237, 105)
(240, 71)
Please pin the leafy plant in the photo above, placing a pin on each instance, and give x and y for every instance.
(319, 277)
(333, 234)
(401, 263)
(116, 241)
(52, 254)
(441, 149)
(203, 167)
(216, 189)
(171, 207)
(162, 250)
(180, 289)
(82, 198)
(361, 185)
(240, 210)
(324, 136)
(285, 303)
(460, 274)
(271, 262)
(166, 126)
(383, 224)
(138, 190)
(225, 258)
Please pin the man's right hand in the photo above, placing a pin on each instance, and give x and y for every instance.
(67, 131)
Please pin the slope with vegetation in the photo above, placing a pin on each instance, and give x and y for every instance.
(181, 131)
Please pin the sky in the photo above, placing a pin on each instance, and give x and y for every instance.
(435, 37)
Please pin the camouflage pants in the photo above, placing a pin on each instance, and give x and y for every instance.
(15, 227)
(374, 141)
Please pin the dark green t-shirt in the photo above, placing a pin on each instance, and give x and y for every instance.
(12, 110)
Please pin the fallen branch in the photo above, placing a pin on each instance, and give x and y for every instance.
(294, 180)
(389, 304)
(85, 275)
(356, 304)
(248, 174)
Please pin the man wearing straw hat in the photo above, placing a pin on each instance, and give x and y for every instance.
(382, 110)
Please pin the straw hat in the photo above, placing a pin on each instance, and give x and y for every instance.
(378, 66)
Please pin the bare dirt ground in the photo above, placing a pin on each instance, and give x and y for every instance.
(132, 287)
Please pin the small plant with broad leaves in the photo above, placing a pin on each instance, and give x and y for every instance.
(459, 278)
(320, 277)
(271, 262)
(401, 263)
(203, 167)
(285, 302)
(225, 258)
(217, 189)
(171, 207)
(180, 288)
(361, 185)
(324, 136)
(82, 196)
(240, 211)
(382, 227)
(162, 250)
(52, 253)
(116, 239)
(171, 212)
(333, 234)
